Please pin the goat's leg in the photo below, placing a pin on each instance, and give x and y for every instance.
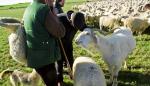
(115, 82)
(13, 81)
(115, 75)
(111, 73)
(125, 65)
(140, 35)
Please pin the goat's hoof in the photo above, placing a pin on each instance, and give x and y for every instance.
(115, 84)
(109, 82)
(125, 67)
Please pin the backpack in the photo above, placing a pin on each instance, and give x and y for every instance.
(17, 45)
(17, 39)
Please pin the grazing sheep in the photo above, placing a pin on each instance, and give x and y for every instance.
(114, 48)
(109, 22)
(137, 25)
(16, 39)
(87, 73)
(24, 79)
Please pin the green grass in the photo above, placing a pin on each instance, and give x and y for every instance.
(70, 3)
(12, 13)
(15, 6)
(18, 9)
(137, 74)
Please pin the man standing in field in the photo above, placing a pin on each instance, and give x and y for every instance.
(43, 29)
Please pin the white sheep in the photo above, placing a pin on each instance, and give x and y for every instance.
(109, 22)
(137, 25)
(114, 48)
(87, 73)
(16, 39)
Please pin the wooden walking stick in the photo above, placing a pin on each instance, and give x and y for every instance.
(66, 58)
(68, 65)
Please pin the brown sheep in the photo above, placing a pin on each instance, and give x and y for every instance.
(137, 25)
(107, 23)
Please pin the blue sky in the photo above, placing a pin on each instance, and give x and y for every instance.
(8, 2)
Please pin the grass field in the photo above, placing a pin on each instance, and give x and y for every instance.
(138, 62)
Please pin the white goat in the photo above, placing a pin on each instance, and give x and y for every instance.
(114, 48)
(87, 73)
(16, 39)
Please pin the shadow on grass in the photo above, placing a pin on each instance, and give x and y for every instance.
(125, 78)
(68, 84)
(140, 79)
(129, 78)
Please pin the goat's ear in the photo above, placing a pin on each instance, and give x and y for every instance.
(69, 13)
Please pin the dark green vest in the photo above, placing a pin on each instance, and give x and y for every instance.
(42, 48)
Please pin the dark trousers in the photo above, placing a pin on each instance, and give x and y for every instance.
(69, 53)
(48, 74)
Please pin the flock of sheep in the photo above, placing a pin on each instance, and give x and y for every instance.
(110, 14)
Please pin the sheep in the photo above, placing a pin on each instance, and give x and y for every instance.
(111, 7)
(109, 22)
(114, 48)
(87, 73)
(18, 77)
(137, 25)
(16, 39)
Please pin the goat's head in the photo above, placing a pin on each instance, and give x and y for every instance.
(10, 23)
(86, 38)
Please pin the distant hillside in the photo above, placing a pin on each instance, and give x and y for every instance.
(17, 10)
(14, 6)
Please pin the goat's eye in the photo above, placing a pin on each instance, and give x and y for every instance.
(87, 33)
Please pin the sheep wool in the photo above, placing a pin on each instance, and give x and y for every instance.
(17, 45)
(17, 41)
(87, 73)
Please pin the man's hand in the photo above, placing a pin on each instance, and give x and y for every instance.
(62, 3)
